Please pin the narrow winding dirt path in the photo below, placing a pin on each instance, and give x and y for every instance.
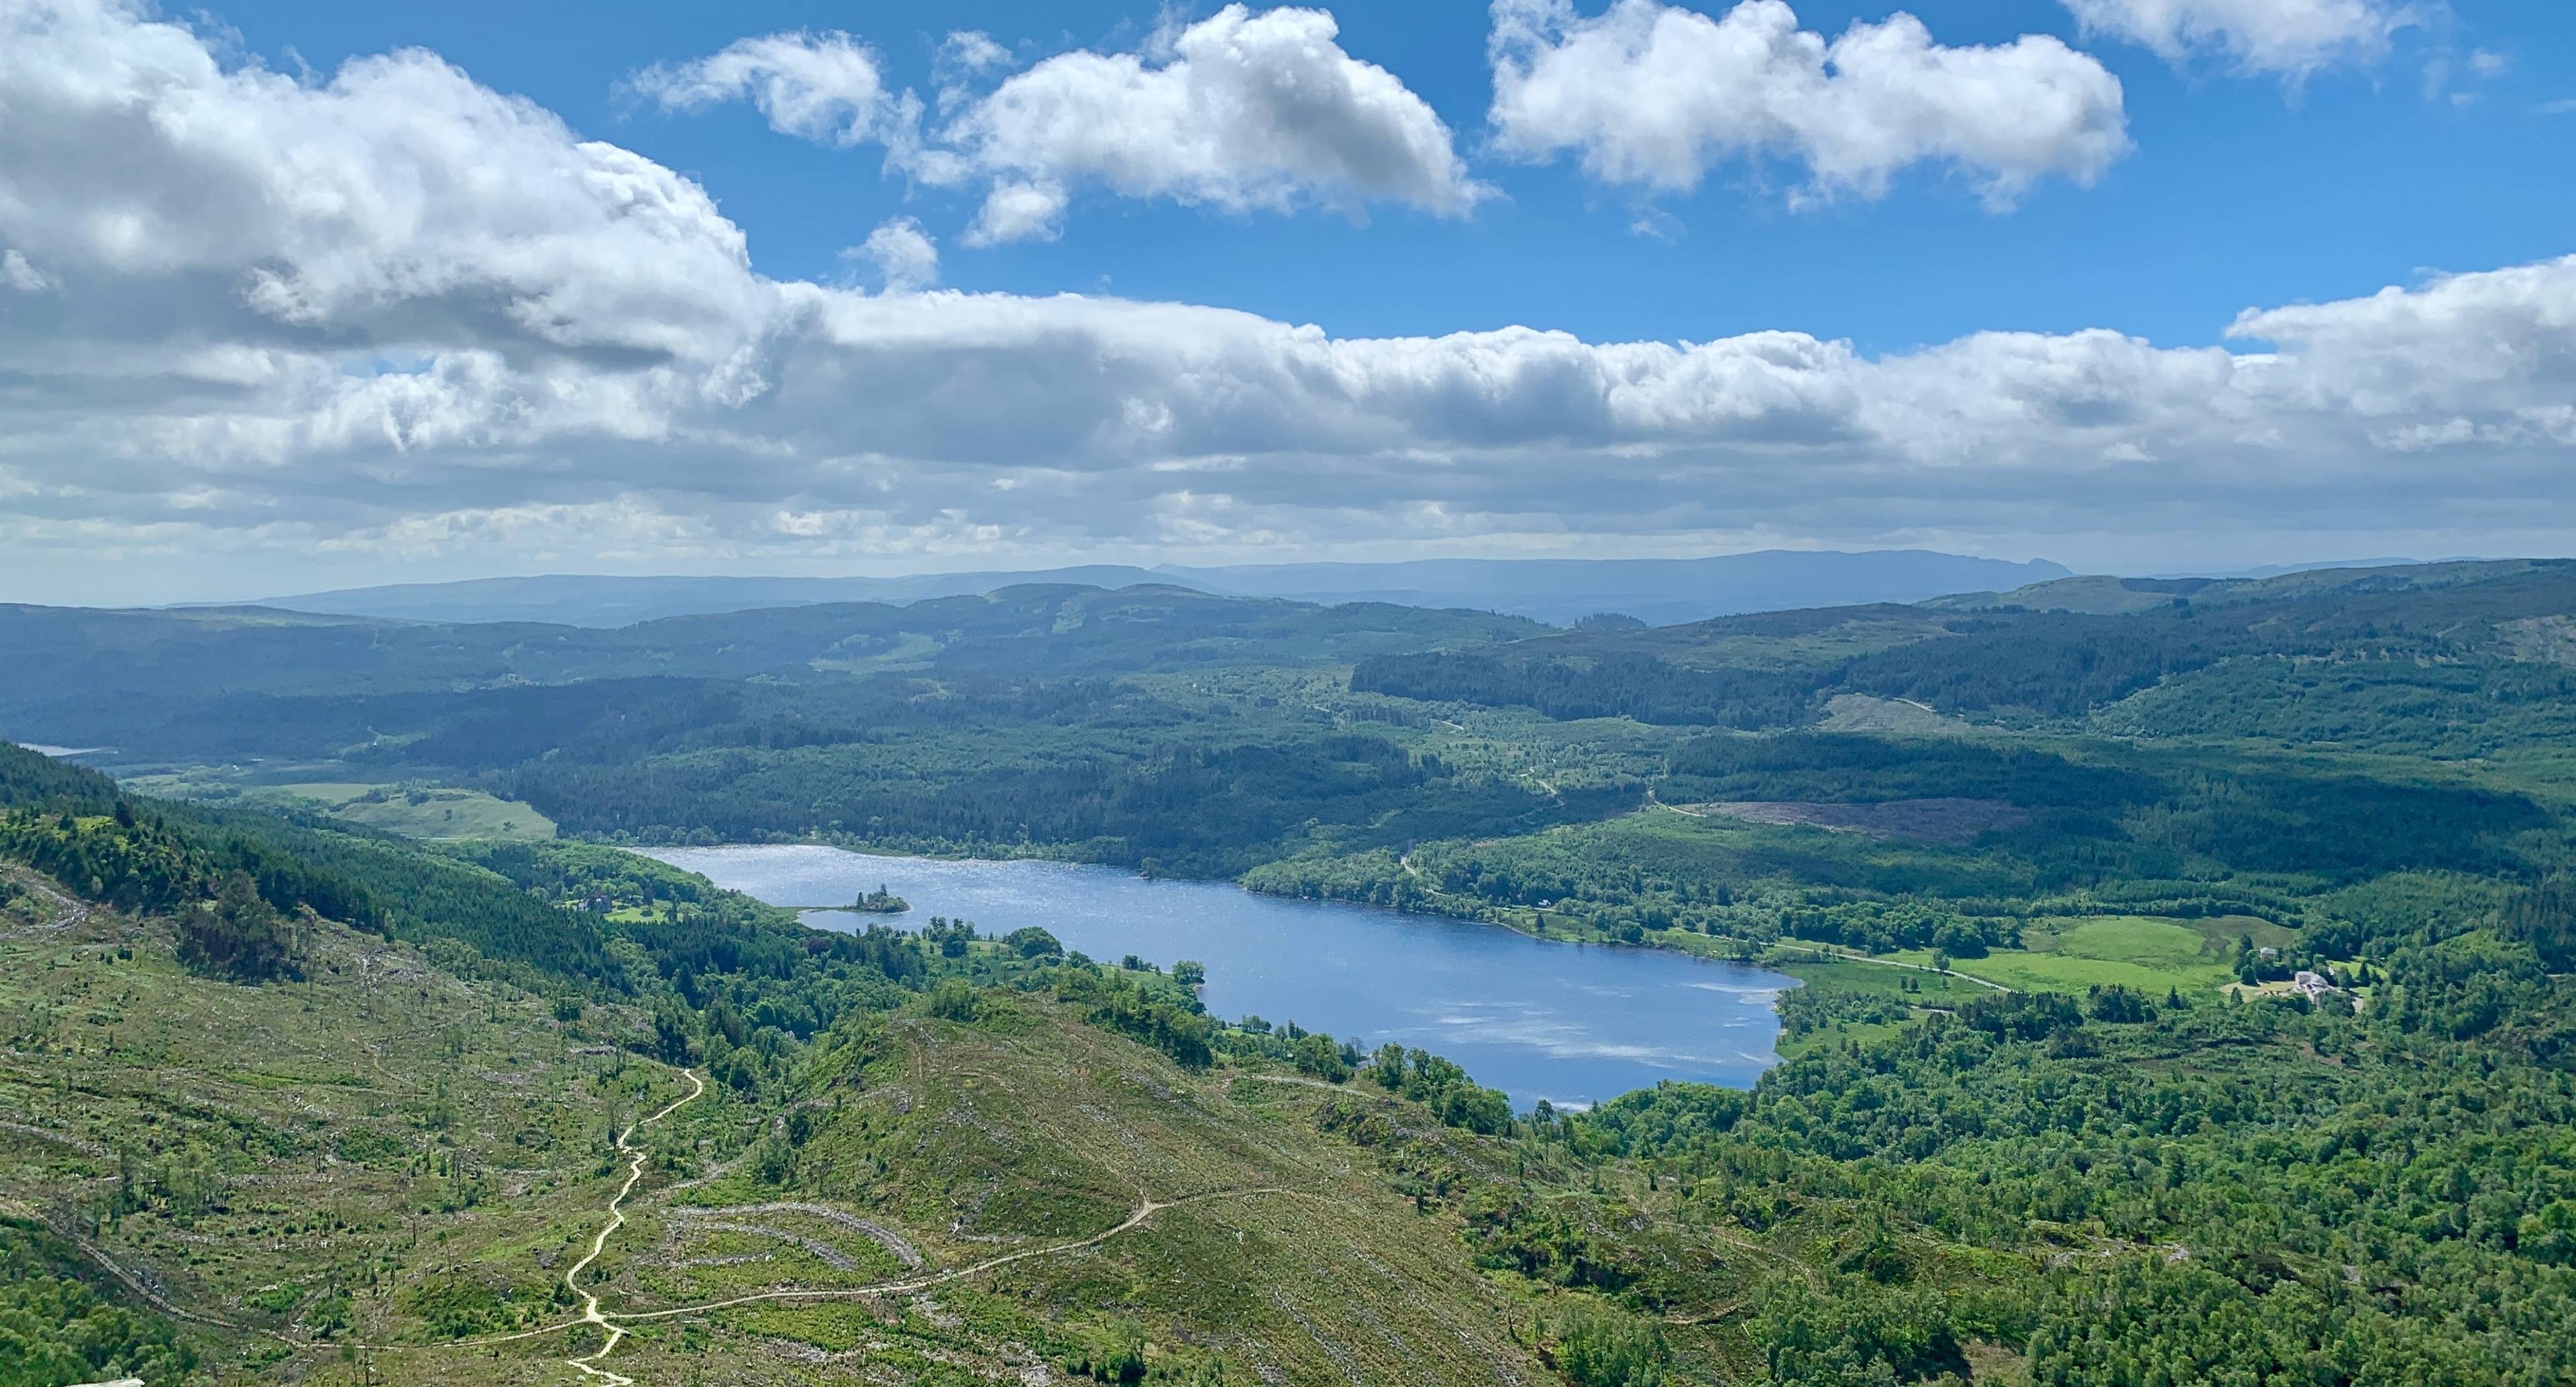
(592, 1365)
(1145, 1209)
(614, 1324)
(588, 1363)
(71, 911)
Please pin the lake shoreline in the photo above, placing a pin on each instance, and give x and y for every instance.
(1578, 1025)
(1703, 946)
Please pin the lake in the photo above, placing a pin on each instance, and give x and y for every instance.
(1574, 1024)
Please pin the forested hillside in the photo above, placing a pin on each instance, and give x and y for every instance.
(1205, 736)
(149, 658)
(380, 1159)
(2088, 1134)
(2362, 640)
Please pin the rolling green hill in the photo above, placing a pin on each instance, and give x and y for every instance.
(1317, 747)
(2491, 625)
(288, 1102)
(1053, 629)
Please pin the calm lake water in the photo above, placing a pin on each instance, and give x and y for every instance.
(1570, 1023)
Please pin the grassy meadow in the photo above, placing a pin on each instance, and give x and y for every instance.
(418, 811)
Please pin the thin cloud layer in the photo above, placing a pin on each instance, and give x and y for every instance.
(2290, 38)
(1656, 95)
(393, 313)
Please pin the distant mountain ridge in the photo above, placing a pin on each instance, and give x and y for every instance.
(2102, 595)
(1660, 592)
(1559, 591)
(566, 599)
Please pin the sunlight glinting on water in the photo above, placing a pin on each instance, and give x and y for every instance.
(1570, 1023)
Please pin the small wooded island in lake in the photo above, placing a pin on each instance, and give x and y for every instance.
(881, 902)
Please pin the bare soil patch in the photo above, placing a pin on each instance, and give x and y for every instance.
(1925, 820)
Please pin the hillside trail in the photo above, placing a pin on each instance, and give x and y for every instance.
(614, 1323)
(1147, 1206)
(588, 1363)
(72, 912)
(591, 1365)
(141, 1286)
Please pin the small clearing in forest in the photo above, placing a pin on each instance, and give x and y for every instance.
(1927, 820)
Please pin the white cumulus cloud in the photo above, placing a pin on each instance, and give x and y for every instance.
(904, 254)
(1239, 112)
(2293, 38)
(397, 201)
(826, 87)
(1656, 95)
(1019, 211)
(387, 315)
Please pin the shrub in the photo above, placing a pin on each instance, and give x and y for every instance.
(2117, 1004)
(951, 1000)
(1029, 941)
(1599, 1347)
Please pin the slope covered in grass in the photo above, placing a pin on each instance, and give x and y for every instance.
(294, 1103)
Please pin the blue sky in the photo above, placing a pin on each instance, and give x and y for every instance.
(296, 295)
(2238, 192)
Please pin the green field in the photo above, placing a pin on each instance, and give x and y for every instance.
(2025, 971)
(411, 809)
(2149, 954)
(416, 811)
(1871, 979)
